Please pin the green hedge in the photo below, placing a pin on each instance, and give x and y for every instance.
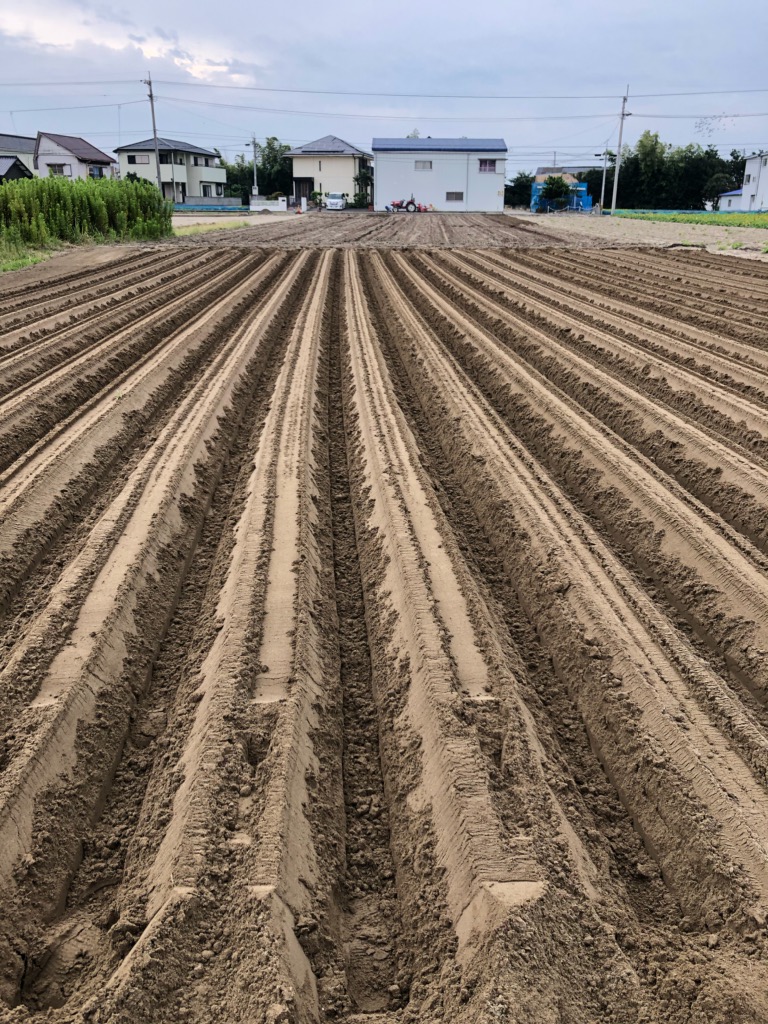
(38, 211)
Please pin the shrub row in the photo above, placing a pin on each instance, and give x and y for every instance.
(38, 211)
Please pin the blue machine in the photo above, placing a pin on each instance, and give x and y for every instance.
(580, 198)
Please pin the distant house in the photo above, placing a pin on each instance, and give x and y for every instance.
(754, 191)
(11, 169)
(446, 174)
(69, 156)
(580, 198)
(730, 200)
(187, 172)
(327, 165)
(22, 147)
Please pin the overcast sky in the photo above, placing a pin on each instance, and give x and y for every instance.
(551, 48)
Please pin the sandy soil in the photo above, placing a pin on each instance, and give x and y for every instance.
(383, 633)
(183, 220)
(361, 229)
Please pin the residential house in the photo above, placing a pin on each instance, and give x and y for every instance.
(754, 191)
(188, 173)
(446, 174)
(730, 201)
(69, 156)
(580, 198)
(11, 169)
(22, 147)
(327, 165)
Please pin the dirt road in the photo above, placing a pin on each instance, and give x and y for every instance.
(384, 636)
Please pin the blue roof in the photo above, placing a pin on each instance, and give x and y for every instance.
(736, 192)
(439, 145)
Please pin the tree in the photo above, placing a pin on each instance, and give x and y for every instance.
(239, 177)
(415, 134)
(717, 184)
(363, 188)
(518, 191)
(556, 192)
(274, 169)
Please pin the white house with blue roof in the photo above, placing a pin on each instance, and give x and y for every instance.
(461, 175)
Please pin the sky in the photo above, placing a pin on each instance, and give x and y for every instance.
(223, 73)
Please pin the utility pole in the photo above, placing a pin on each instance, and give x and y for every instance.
(148, 82)
(605, 169)
(255, 146)
(624, 115)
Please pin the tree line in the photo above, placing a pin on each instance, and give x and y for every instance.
(654, 175)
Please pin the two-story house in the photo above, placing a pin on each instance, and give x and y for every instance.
(69, 156)
(327, 165)
(187, 172)
(463, 175)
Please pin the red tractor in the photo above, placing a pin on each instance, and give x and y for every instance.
(407, 206)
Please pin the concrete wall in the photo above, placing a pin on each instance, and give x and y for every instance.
(331, 173)
(396, 177)
(754, 194)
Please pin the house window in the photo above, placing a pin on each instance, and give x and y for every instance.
(207, 162)
(319, 165)
(206, 191)
(454, 197)
(729, 202)
(165, 158)
(219, 190)
(765, 161)
(60, 170)
(179, 158)
(422, 165)
(96, 172)
(748, 179)
(487, 166)
(196, 161)
(138, 158)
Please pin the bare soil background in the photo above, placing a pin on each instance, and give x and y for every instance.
(383, 629)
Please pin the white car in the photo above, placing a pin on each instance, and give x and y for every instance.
(335, 201)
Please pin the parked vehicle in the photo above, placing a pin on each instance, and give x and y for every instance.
(335, 201)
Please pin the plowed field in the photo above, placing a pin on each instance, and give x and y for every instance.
(384, 638)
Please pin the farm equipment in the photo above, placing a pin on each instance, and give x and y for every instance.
(407, 206)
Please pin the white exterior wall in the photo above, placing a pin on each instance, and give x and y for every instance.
(331, 173)
(396, 177)
(50, 152)
(28, 159)
(202, 175)
(754, 194)
(185, 173)
(729, 203)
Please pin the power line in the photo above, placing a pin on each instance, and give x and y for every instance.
(390, 95)
(387, 117)
(82, 106)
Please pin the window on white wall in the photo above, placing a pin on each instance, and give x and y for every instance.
(487, 166)
(454, 197)
(748, 179)
(138, 158)
(422, 165)
(60, 170)
(319, 165)
(729, 202)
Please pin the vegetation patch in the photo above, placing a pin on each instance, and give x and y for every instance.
(196, 229)
(731, 220)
